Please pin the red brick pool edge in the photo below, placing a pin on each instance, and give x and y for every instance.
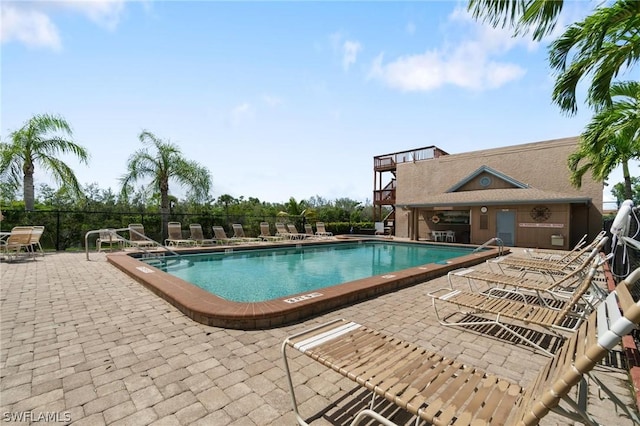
(209, 309)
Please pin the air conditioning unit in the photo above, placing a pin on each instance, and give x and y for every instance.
(557, 240)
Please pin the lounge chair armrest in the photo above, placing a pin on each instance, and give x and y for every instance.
(442, 293)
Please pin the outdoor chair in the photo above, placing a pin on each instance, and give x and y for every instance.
(198, 236)
(174, 230)
(379, 228)
(441, 391)
(17, 241)
(282, 231)
(240, 236)
(220, 236)
(450, 236)
(472, 309)
(321, 231)
(110, 237)
(34, 243)
(308, 231)
(137, 238)
(293, 232)
(265, 233)
(497, 283)
(550, 268)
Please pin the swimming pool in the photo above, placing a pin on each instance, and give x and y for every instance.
(208, 308)
(261, 275)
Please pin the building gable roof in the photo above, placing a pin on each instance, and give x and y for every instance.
(486, 169)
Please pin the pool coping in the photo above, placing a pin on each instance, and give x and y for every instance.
(209, 309)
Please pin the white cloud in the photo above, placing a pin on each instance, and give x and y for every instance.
(272, 101)
(31, 22)
(470, 63)
(106, 13)
(350, 51)
(240, 113)
(29, 27)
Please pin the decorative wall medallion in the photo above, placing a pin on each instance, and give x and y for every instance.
(540, 213)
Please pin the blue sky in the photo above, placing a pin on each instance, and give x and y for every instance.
(276, 99)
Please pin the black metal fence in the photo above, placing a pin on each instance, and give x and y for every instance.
(66, 229)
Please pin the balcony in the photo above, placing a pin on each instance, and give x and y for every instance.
(388, 162)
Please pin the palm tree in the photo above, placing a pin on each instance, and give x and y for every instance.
(612, 138)
(605, 43)
(37, 143)
(619, 191)
(522, 15)
(164, 164)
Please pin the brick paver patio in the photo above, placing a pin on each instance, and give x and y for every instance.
(83, 342)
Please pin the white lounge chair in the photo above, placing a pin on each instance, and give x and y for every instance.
(308, 231)
(472, 309)
(198, 236)
(221, 236)
(36, 234)
(239, 235)
(265, 233)
(321, 231)
(175, 236)
(110, 237)
(17, 241)
(137, 237)
(442, 391)
(293, 232)
(282, 231)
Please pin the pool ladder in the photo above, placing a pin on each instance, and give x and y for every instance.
(496, 240)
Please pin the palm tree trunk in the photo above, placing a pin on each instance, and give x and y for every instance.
(164, 213)
(628, 193)
(28, 190)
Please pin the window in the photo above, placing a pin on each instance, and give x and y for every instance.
(485, 181)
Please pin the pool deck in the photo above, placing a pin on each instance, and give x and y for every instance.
(85, 342)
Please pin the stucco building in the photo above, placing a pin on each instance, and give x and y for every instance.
(520, 194)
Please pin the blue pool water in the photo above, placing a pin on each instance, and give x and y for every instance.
(265, 274)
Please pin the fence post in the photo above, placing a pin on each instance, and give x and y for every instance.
(57, 230)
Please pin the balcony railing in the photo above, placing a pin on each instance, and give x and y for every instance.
(389, 161)
(384, 197)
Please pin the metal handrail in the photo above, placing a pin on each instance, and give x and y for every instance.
(127, 241)
(492, 240)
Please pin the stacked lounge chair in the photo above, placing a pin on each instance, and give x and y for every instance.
(442, 391)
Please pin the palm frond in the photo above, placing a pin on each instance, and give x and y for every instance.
(537, 16)
(602, 45)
